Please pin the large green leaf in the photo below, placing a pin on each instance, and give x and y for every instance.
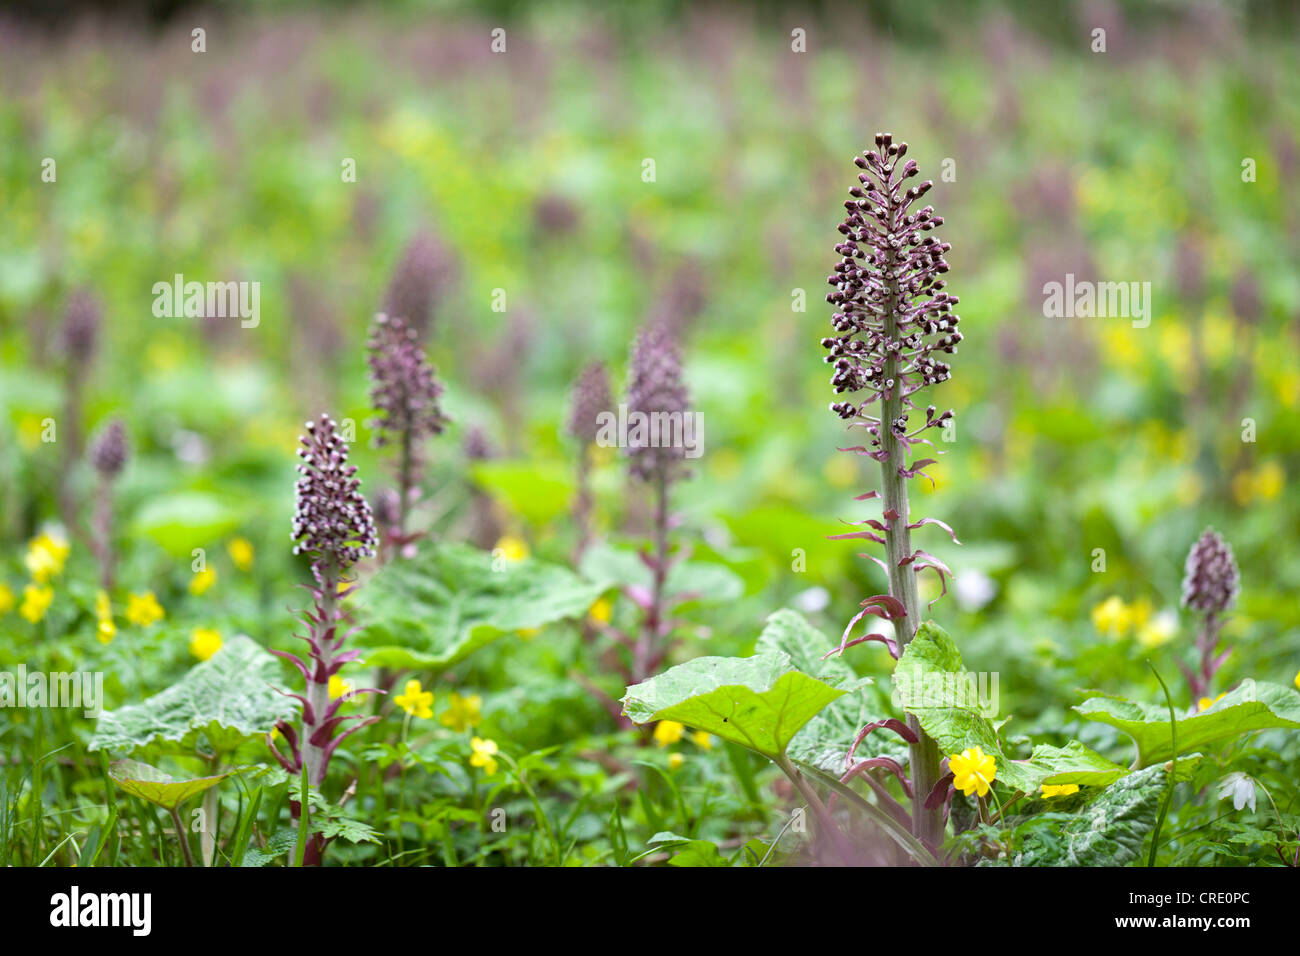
(538, 491)
(435, 610)
(930, 682)
(1108, 831)
(227, 698)
(825, 740)
(759, 702)
(1252, 706)
(703, 581)
(150, 783)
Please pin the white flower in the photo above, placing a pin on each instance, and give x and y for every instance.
(812, 600)
(1241, 788)
(973, 589)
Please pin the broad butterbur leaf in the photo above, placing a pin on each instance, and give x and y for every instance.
(436, 610)
(227, 698)
(759, 702)
(159, 788)
(1250, 707)
(1108, 831)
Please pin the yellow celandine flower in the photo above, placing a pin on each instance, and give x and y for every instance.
(204, 642)
(30, 429)
(1262, 484)
(36, 601)
(668, 732)
(1159, 630)
(602, 612)
(143, 609)
(703, 739)
(46, 555)
(972, 771)
(415, 700)
(511, 548)
(7, 599)
(1111, 617)
(484, 755)
(105, 629)
(340, 687)
(1297, 680)
(675, 761)
(463, 712)
(202, 580)
(528, 633)
(241, 553)
(1205, 703)
(1063, 790)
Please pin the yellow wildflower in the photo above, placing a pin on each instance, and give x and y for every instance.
(972, 771)
(1111, 617)
(204, 642)
(6, 599)
(675, 761)
(143, 609)
(36, 601)
(484, 755)
(203, 580)
(463, 712)
(602, 612)
(340, 687)
(511, 548)
(105, 629)
(415, 700)
(528, 633)
(668, 732)
(703, 739)
(1297, 680)
(45, 557)
(1064, 790)
(1159, 630)
(1205, 703)
(241, 553)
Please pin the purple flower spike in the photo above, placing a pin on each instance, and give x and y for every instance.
(332, 521)
(425, 271)
(1211, 580)
(81, 327)
(656, 390)
(108, 452)
(591, 396)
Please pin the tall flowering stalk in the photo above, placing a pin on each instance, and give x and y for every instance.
(420, 282)
(108, 454)
(332, 523)
(80, 342)
(656, 391)
(591, 396)
(893, 325)
(405, 391)
(1210, 587)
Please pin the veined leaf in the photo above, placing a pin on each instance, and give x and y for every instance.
(930, 682)
(227, 698)
(825, 740)
(432, 612)
(1108, 831)
(759, 702)
(150, 783)
(1252, 706)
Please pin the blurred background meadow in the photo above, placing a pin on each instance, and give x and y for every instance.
(513, 187)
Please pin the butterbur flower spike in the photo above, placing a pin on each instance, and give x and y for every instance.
(656, 391)
(333, 524)
(108, 455)
(1210, 585)
(406, 393)
(893, 329)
